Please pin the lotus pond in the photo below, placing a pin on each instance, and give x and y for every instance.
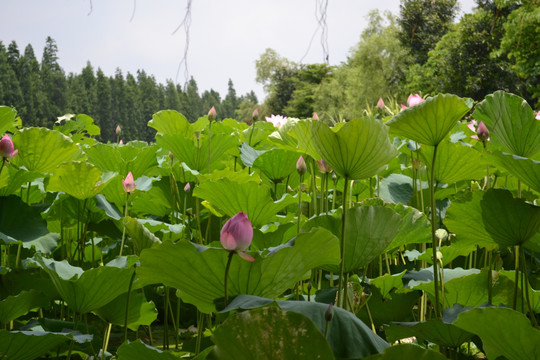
(400, 235)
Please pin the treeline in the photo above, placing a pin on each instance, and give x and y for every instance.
(425, 50)
(41, 92)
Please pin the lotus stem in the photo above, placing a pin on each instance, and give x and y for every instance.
(299, 205)
(231, 253)
(2, 167)
(123, 222)
(177, 322)
(526, 276)
(516, 279)
(127, 303)
(433, 236)
(165, 320)
(342, 255)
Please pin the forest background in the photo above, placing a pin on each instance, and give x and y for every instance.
(424, 49)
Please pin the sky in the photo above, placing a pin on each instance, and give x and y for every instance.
(226, 37)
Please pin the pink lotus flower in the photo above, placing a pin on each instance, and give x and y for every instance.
(187, 188)
(118, 130)
(413, 100)
(538, 115)
(323, 167)
(128, 183)
(212, 114)
(482, 133)
(315, 116)
(7, 151)
(121, 142)
(236, 235)
(255, 114)
(277, 120)
(380, 104)
(301, 166)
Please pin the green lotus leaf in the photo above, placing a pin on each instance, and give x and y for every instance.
(434, 331)
(137, 350)
(141, 237)
(368, 231)
(198, 272)
(171, 122)
(449, 253)
(248, 155)
(8, 120)
(517, 340)
(455, 162)
(509, 221)
(358, 150)
(407, 352)
(430, 121)
(277, 164)
(141, 312)
(253, 199)
(383, 311)
(196, 158)
(464, 219)
(348, 337)
(415, 227)
(525, 169)
(510, 121)
(534, 295)
(22, 222)
(12, 179)
(387, 283)
(107, 157)
(270, 333)
(14, 306)
(84, 291)
(42, 150)
(81, 180)
(29, 345)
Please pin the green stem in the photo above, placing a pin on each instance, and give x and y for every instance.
(209, 139)
(342, 255)
(127, 303)
(106, 337)
(177, 322)
(433, 237)
(516, 279)
(231, 253)
(299, 211)
(2, 167)
(166, 320)
(123, 222)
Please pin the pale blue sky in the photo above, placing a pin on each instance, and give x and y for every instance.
(226, 36)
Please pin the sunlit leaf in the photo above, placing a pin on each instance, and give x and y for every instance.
(358, 150)
(198, 272)
(517, 340)
(81, 180)
(510, 121)
(29, 345)
(137, 350)
(42, 150)
(170, 122)
(430, 121)
(276, 164)
(525, 169)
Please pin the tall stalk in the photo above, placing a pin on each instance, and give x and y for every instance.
(342, 263)
(433, 236)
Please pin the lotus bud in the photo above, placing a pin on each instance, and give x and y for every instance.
(255, 115)
(380, 104)
(334, 176)
(538, 115)
(301, 166)
(236, 235)
(309, 287)
(7, 150)
(118, 130)
(414, 99)
(315, 116)
(121, 142)
(323, 166)
(212, 114)
(171, 155)
(128, 183)
(329, 313)
(187, 188)
(482, 132)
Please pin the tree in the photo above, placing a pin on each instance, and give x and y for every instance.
(30, 84)
(231, 102)
(276, 74)
(193, 101)
(463, 63)
(102, 114)
(423, 23)
(375, 69)
(53, 84)
(212, 98)
(10, 91)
